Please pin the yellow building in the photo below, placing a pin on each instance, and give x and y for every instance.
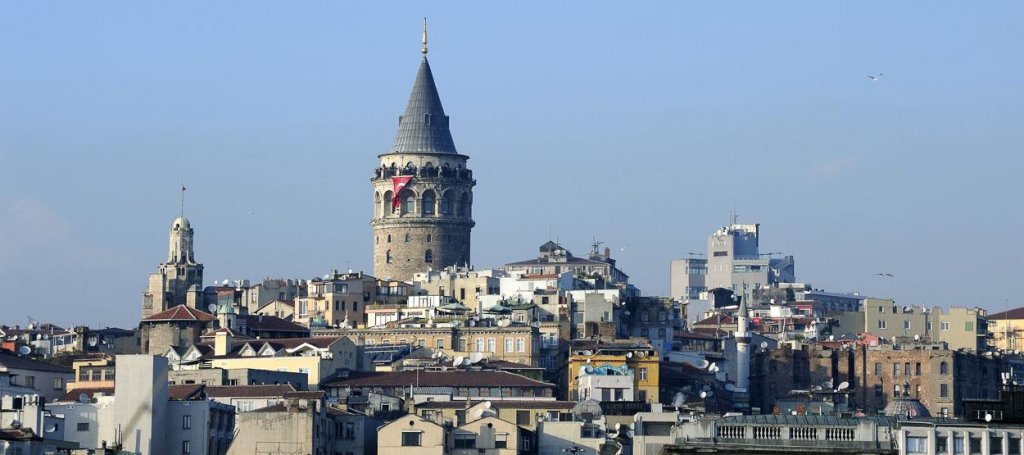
(519, 343)
(93, 373)
(620, 370)
(1006, 330)
(317, 357)
(524, 413)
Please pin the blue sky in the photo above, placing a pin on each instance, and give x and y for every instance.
(639, 125)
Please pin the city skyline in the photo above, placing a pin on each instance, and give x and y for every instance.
(276, 147)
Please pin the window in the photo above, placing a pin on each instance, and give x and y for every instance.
(58, 383)
(440, 343)
(82, 426)
(428, 203)
(881, 323)
(995, 445)
(958, 445)
(429, 238)
(941, 444)
(465, 441)
(410, 204)
(943, 367)
(975, 444)
(412, 439)
(520, 344)
(350, 430)
(492, 345)
(186, 422)
(944, 326)
(917, 444)
(968, 326)
(408, 238)
(30, 381)
(523, 418)
(906, 325)
(906, 368)
(917, 368)
(388, 256)
(428, 257)
(501, 441)
(186, 447)
(643, 374)
(480, 345)
(1014, 446)
(896, 369)
(944, 390)
(878, 368)
(510, 345)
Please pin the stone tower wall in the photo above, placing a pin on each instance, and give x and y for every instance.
(440, 220)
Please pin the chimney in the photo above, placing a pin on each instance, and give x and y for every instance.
(607, 252)
(222, 343)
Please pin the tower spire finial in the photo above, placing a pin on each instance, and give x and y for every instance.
(424, 36)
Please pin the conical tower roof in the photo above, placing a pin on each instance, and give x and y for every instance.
(423, 128)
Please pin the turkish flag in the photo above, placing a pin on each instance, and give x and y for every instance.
(400, 183)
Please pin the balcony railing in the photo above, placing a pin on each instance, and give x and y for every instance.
(424, 172)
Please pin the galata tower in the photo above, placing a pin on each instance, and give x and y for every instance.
(422, 190)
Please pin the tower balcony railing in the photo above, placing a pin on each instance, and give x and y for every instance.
(424, 172)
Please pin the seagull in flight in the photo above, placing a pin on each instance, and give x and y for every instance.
(875, 78)
(883, 274)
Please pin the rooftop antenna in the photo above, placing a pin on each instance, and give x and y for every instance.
(733, 217)
(424, 36)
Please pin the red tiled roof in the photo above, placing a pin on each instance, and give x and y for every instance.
(180, 392)
(724, 319)
(15, 362)
(273, 323)
(248, 391)
(481, 378)
(91, 392)
(181, 313)
(694, 335)
(303, 394)
(499, 404)
(1016, 313)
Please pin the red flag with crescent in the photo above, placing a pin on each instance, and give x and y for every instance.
(400, 183)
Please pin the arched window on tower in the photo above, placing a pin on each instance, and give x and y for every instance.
(428, 257)
(446, 204)
(389, 238)
(408, 238)
(428, 203)
(464, 205)
(943, 368)
(389, 258)
(388, 204)
(429, 238)
(408, 202)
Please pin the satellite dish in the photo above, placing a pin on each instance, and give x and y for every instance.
(730, 387)
(704, 395)
(458, 361)
(764, 345)
(831, 338)
(46, 336)
(93, 341)
(24, 350)
(629, 355)
(988, 417)
(504, 322)
(83, 398)
(475, 357)
(466, 362)
(843, 386)
(917, 337)
(704, 364)
(535, 324)
(212, 308)
(472, 323)
(678, 400)
(51, 428)
(712, 366)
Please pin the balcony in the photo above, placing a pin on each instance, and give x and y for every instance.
(427, 172)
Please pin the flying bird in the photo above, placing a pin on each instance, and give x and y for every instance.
(875, 78)
(883, 274)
